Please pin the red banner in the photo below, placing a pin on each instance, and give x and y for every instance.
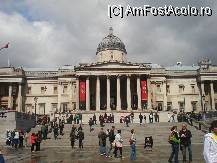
(144, 95)
(82, 91)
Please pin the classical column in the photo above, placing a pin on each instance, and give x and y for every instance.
(118, 107)
(212, 96)
(149, 93)
(202, 93)
(88, 94)
(77, 93)
(139, 93)
(97, 94)
(20, 98)
(10, 97)
(108, 94)
(129, 108)
(165, 96)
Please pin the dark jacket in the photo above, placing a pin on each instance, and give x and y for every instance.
(187, 139)
(111, 136)
(80, 135)
(102, 138)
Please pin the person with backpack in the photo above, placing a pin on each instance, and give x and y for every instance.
(102, 142)
(174, 140)
(80, 137)
(185, 142)
(111, 138)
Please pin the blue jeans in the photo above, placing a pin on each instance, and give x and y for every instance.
(133, 152)
(175, 152)
(101, 149)
(183, 148)
(110, 148)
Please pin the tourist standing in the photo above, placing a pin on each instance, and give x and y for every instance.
(94, 118)
(174, 140)
(16, 138)
(80, 137)
(151, 117)
(185, 142)
(111, 138)
(210, 144)
(33, 140)
(55, 131)
(140, 118)
(91, 123)
(102, 142)
(133, 145)
(43, 131)
(118, 144)
(73, 136)
(144, 118)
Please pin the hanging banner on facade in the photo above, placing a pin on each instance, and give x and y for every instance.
(82, 91)
(144, 95)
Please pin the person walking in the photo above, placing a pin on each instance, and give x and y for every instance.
(185, 142)
(2, 160)
(55, 131)
(94, 118)
(210, 144)
(111, 139)
(73, 136)
(140, 118)
(118, 144)
(91, 123)
(102, 142)
(174, 140)
(16, 138)
(80, 137)
(133, 145)
(33, 140)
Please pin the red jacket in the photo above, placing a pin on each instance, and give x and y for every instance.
(33, 138)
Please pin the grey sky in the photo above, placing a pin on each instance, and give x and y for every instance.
(50, 33)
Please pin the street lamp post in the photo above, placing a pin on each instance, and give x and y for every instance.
(35, 99)
(203, 106)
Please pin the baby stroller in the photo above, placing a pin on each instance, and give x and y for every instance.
(148, 143)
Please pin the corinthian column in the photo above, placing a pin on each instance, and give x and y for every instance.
(77, 93)
(108, 94)
(139, 92)
(88, 94)
(212, 96)
(10, 97)
(118, 107)
(20, 108)
(128, 94)
(97, 94)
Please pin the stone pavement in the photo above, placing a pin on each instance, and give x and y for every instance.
(55, 151)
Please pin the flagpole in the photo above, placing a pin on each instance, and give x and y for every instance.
(5, 47)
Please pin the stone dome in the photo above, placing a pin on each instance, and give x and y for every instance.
(111, 42)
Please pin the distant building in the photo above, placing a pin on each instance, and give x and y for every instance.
(110, 84)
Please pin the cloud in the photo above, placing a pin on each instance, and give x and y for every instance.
(50, 33)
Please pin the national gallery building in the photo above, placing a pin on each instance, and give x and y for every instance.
(112, 83)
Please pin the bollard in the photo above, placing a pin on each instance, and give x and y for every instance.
(199, 126)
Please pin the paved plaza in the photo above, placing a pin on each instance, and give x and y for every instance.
(59, 151)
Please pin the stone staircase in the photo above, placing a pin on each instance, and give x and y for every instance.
(159, 132)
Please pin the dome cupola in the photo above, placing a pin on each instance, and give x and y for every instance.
(111, 48)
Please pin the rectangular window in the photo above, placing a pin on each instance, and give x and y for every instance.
(41, 108)
(181, 88)
(55, 90)
(29, 90)
(169, 106)
(42, 90)
(181, 106)
(158, 88)
(64, 88)
(54, 107)
(193, 89)
(168, 89)
(194, 105)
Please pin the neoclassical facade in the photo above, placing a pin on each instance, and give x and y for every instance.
(110, 84)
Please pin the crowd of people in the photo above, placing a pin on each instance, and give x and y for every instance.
(179, 140)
